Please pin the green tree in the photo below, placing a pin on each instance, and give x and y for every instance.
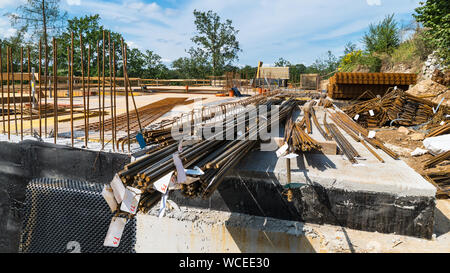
(194, 66)
(435, 17)
(383, 37)
(325, 66)
(217, 40)
(153, 67)
(92, 31)
(282, 63)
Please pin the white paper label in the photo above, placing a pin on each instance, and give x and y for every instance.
(356, 117)
(290, 156)
(282, 150)
(442, 123)
(108, 194)
(115, 231)
(371, 113)
(131, 200)
(118, 188)
(371, 134)
(163, 183)
(181, 175)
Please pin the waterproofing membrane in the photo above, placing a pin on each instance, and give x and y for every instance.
(69, 216)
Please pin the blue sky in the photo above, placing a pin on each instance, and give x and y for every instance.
(297, 30)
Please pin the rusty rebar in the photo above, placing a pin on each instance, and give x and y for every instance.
(55, 88)
(88, 91)
(9, 90)
(40, 88)
(71, 89)
(110, 90)
(30, 90)
(84, 91)
(3, 96)
(98, 88)
(45, 87)
(115, 103)
(13, 91)
(124, 56)
(21, 93)
(103, 90)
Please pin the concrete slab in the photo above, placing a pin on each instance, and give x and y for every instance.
(392, 176)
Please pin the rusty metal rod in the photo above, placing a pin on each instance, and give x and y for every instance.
(21, 93)
(98, 88)
(3, 96)
(9, 90)
(30, 89)
(71, 90)
(110, 89)
(45, 87)
(13, 90)
(88, 92)
(115, 102)
(103, 90)
(55, 88)
(83, 87)
(124, 50)
(40, 88)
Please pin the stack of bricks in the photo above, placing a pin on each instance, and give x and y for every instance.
(345, 85)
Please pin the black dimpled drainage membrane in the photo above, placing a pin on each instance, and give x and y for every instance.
(69, 216)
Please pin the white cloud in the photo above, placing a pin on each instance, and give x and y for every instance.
(6, 30)
(73, 2)
(373, 2)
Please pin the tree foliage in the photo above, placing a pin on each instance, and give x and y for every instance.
(435, 17)
(195, 66)
(383, 37)
(216, 40)
(282, 63)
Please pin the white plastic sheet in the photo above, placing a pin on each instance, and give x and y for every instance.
(438, 144)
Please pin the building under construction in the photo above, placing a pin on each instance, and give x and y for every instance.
(101, 163)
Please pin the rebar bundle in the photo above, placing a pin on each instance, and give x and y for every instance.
(213, 157)
(396, 106)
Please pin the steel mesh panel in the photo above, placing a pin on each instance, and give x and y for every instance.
(57, 212)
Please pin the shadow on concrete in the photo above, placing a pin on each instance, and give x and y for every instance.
(262, 235)
(441, 223)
